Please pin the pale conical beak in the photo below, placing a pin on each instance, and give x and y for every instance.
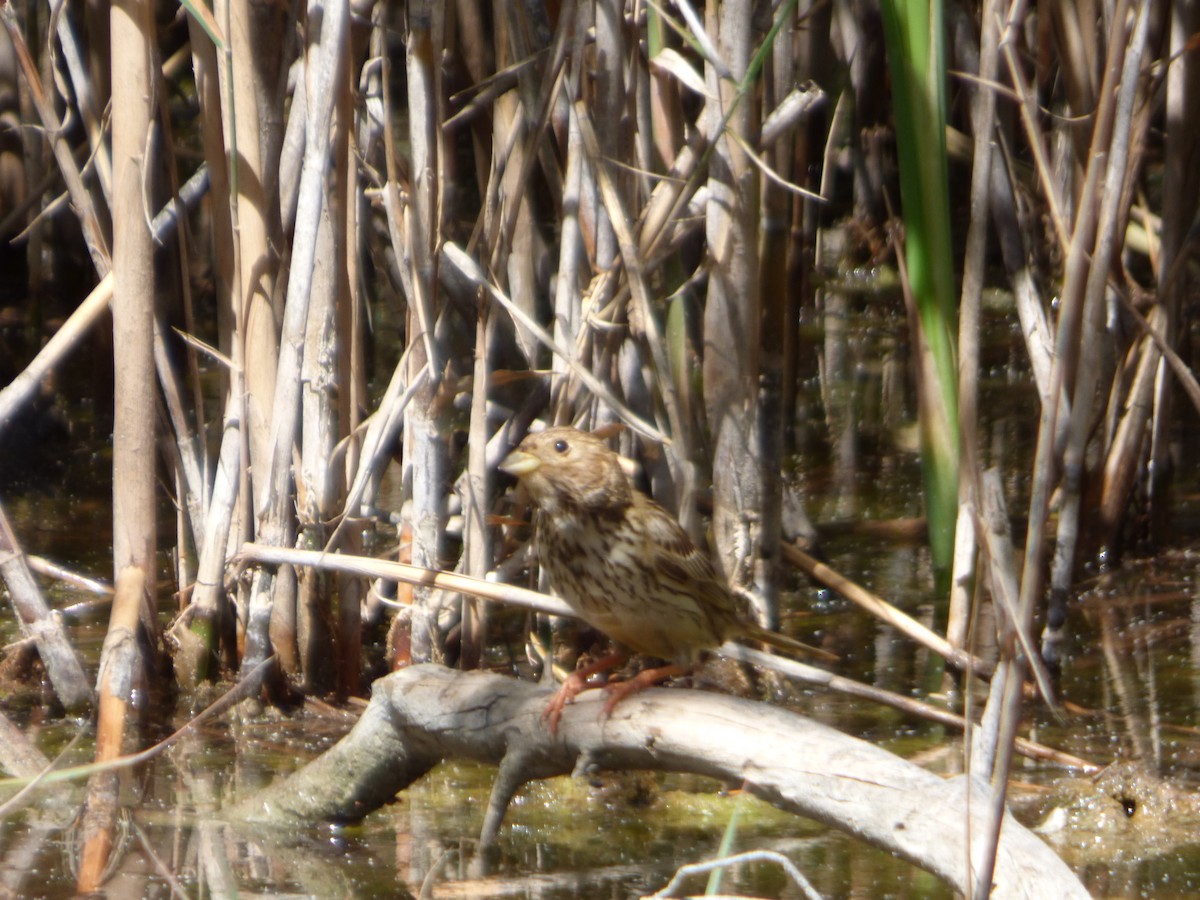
(519, 463)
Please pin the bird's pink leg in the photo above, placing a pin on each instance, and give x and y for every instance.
(577, 683)
(639, 682)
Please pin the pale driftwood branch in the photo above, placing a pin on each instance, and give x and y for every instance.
(422, 715)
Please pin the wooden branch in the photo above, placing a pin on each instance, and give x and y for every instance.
(422, 715)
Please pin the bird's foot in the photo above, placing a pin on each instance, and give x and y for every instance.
(646, 678)
(565, 694)
(576, 683)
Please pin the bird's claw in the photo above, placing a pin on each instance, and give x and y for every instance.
(565, 694)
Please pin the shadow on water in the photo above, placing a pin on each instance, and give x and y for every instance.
(1131, 682)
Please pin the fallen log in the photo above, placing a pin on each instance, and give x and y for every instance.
(419, 716)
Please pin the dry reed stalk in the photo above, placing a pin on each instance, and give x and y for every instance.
(123, 673)
(1126, 52)
(839, 684)
(475, 485)
(190, 449)
(983, 120)
(197, 634)
(812, 65)
(572, 255)
(1067, 342)
(642, 316)
(183, 456)
(1015, 247)
(351, 378)
(773, 276)
(424, 439)
(510, 249)
(254, 279)
(990, 758)
(992, 532)
(317, 484)
(1181, 196)
(271, 613)
(81, 199)
(609, 100)
(732, 318)
(1077, 369)
(322, 417)
(124, 659)
(188, 455)
(54, 647)
(134, 502)
(475, 489)
(205, 75)
(84, 97)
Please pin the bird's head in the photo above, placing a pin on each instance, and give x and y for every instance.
(564, 468)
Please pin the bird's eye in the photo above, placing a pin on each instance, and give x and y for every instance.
(561, 446)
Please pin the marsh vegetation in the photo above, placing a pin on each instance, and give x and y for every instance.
(889, 297)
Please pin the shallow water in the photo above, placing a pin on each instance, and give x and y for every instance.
(624, 835)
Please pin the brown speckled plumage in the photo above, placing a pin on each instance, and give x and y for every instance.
(619, 559)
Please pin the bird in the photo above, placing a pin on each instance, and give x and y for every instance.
(624, 565)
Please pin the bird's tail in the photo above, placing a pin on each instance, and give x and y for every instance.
(783, 642)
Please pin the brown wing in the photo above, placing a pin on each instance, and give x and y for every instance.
(681, 566)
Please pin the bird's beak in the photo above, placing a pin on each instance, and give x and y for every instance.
(519, 463)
